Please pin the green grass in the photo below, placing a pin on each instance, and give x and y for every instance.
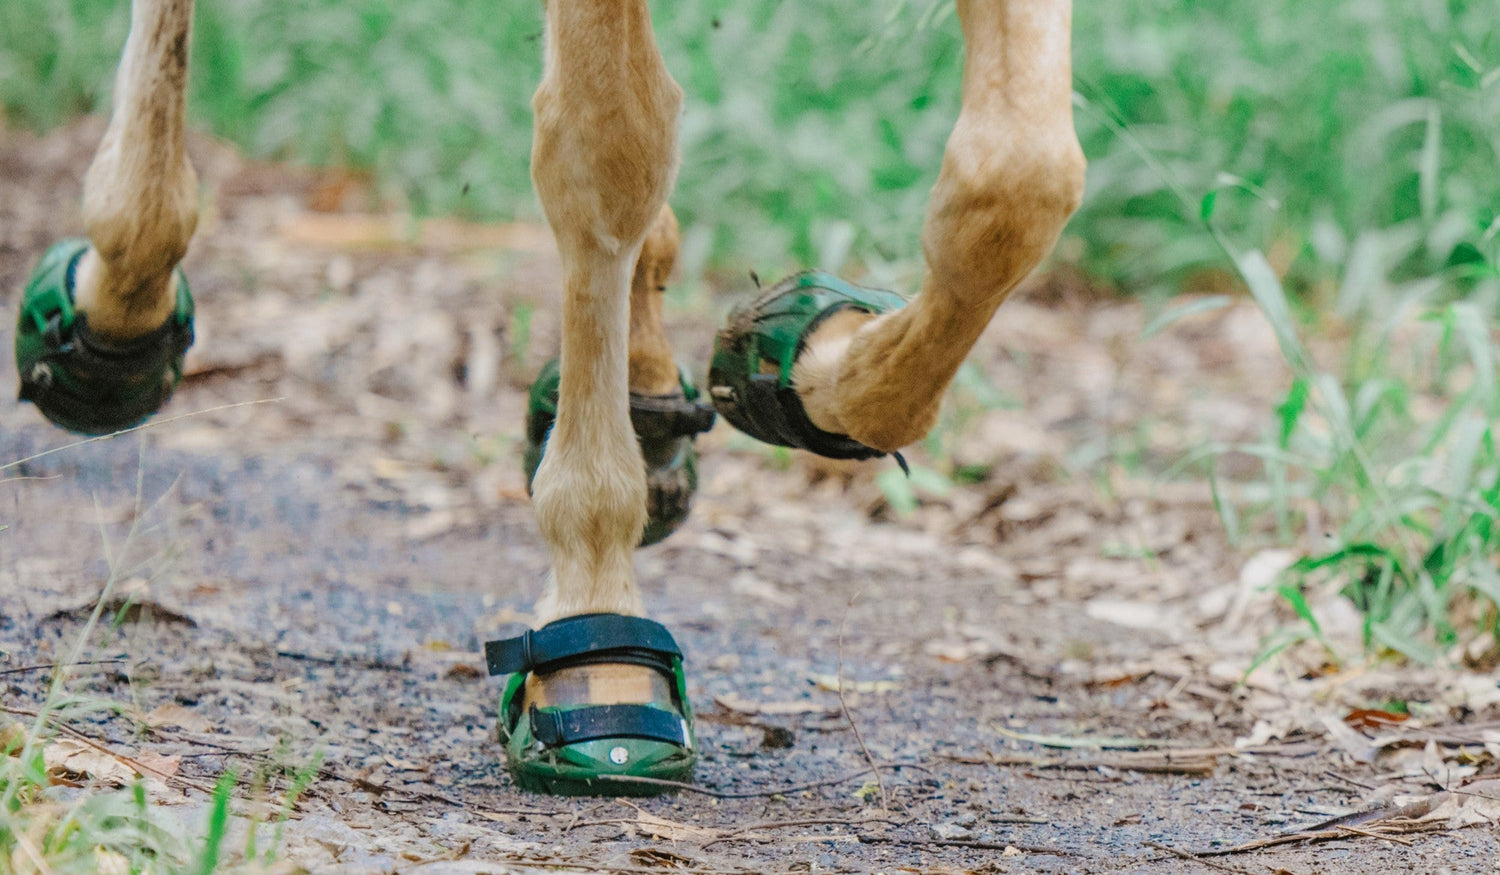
(813, 131)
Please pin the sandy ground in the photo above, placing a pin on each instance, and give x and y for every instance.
(1045, 665)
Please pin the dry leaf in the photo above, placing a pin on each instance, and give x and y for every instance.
(1353, 743)
(661, 858)
(158, 765)
(180, 716)
(12, 736)
(830, 682)
(1131, 615)
(1469, 805)
(651, 826)
(70, 759)
(1369, 718)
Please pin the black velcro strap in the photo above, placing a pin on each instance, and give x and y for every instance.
(669, 416)
(583, 640)
(555, 728)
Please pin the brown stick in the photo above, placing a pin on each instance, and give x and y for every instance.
(756, 794)
(808, 821)
(965, 843)
(44, 666)
(1184, 855)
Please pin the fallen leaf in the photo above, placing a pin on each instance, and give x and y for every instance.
(69, 759)
(1469, 805)
(1369, 718)
(12, 736)
(464, 672)
(180, 716)
(1353, 743)
(651, 826)
(661, 858)
(830, 682)
(158, 765)
(1131, 615)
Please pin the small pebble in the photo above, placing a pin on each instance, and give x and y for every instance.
(951, 831)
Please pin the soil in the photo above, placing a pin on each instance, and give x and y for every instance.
(1048, 665)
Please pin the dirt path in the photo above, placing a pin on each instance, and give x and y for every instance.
(1045, 664)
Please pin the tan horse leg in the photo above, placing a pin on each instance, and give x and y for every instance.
(140, 197)
(603, 162)
(1012, 175)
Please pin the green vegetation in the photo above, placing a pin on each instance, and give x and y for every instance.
(1331, 160)
(814, 130)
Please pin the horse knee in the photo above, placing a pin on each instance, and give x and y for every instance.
(1001, 201)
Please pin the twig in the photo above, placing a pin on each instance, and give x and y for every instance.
(340, 660)
(964, 843)
(580, 812)
(1337, 777)
(1184, 855)
(1340, 831)
(807, 821)
(611, 868)
(844, 704)
(756, 794)
(29, 668)
(1376, 835)
(432, 796)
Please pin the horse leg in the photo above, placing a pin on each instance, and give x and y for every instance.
(105, 321)
(604, 159)
(1012, 174)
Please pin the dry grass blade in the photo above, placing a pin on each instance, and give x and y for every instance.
(844, 704)
(1196, 858)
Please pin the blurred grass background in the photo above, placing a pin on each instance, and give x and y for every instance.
(814, 130)
(1338, 161)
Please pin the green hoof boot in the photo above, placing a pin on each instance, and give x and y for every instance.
(750, 375)
(665, 425)
(79, 380)
(595, 750)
